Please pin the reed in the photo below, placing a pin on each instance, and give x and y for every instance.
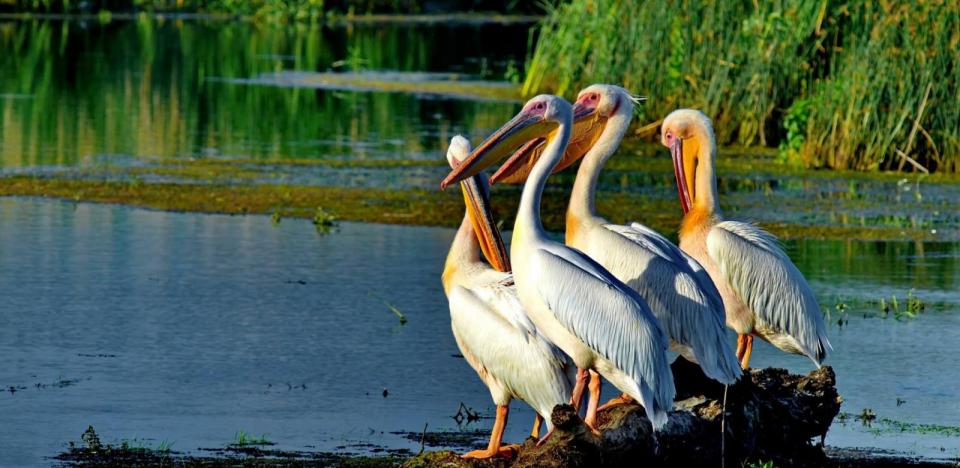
(834, 84)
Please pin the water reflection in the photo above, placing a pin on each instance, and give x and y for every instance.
(149, 89)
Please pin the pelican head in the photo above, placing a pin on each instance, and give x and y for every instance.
(601, 101)
(476, 195)
(687, 132)
(594, 106)
(539, 117)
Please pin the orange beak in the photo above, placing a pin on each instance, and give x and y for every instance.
(587, 127)
(515, 133)
(684, 174)
(476, 194)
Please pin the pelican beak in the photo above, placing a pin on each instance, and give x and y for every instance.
(476, 194)
(684, 173)
(518, 131)
(582, 111)
(516, 169)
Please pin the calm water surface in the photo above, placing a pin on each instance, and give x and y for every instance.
(74, 92)
(187, 328)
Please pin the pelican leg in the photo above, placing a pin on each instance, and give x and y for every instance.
(741, 341)
(747, 349)
(544, 439)
(537, 421)
(620, 400)
(591, 419)
(577, 398)
(494, 448)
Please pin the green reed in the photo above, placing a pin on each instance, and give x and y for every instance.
(834, 84)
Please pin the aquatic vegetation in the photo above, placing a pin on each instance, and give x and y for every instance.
(397, 206)
(244, 439)
(834, 84)
(91, 450)
(324, 221)
(881, 425)
(392, 308)
(866, 416)
(841, 309)
(759, 464)
(914, 306)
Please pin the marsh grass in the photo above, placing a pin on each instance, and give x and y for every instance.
(324, 221)
(834, 84)
(913, 307)
(244, 439)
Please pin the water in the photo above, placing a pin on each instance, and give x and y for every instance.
(73, 91)
(187, 328)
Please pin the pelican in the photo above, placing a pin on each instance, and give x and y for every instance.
(492, 330)
(763, 292)
(605, 326)
(676, 287)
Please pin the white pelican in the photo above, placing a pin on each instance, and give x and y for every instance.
(763, 292)
(605, 326)
(490, 326)
(676, 287)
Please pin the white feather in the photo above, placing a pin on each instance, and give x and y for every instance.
(771, 286)
(612, 320)
(512, 362)
(680, 293)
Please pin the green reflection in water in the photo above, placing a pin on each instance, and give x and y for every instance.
(71, 91)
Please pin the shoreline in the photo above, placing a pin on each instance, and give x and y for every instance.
(412, 206)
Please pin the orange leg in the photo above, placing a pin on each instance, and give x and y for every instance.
(537, 421)
(620, 400)
(544, 439)
(747, 349)
(494, 449)
(591, 418)
(741, 341)
(577, 399)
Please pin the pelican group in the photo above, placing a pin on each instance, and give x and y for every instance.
(615, 298)
(490, 326)
(763, 292)
(600, 322)
(678, 290)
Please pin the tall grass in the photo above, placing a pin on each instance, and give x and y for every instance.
(835, 84)
(871, 107)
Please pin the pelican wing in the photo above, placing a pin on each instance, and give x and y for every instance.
(685, 300)
(764, 278)
(611, 319)
(656, 242)
(499, 291)
(513, 361)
